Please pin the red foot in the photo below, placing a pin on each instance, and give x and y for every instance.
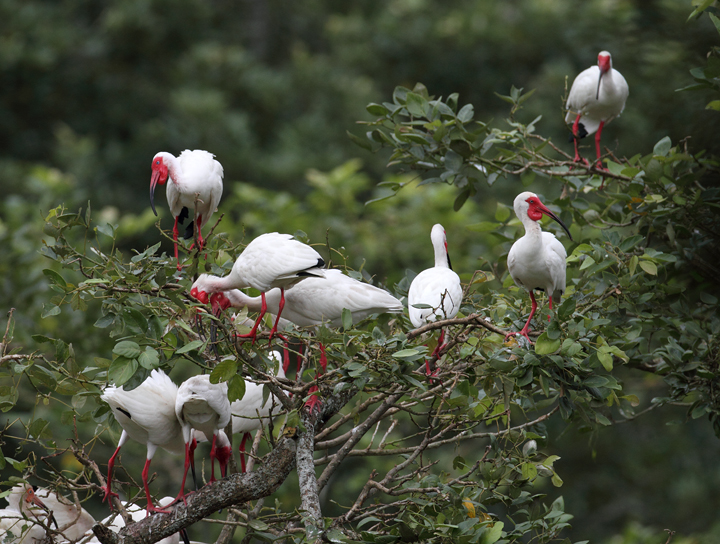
(152, 509)
(108, 496)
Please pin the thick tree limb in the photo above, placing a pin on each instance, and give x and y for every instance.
(236, 489)
(309, 491)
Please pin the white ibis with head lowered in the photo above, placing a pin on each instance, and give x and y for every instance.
(205, 407)
(537, 260)
(115, 522)
(269, 261)
(437, 289)
(596, 97)
(316, 301)
(22, 517)
(249, 413)
(195, 188)
(147, 415)
(72, 520)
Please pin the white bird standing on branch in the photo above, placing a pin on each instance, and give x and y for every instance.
(269, 261)
(316, 301)
(596, 97)
(20, 515)
(195, 189)
(537, 260)
(438, 290)
(205, 407)
(147, 415)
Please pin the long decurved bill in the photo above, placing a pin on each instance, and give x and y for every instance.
(153, 182)
(597, 94)
(544, 209)
(31, 497)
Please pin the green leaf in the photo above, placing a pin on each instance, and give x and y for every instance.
(662, 148)
(224, 371)
(484, 226)
(127, 348)
(632, 265)
(502, 212)
(629, 243)
(49, 309)
(649, 267)
(466, 113)
(121, 370)
(55, 278)
(149, 359)
(605, 359)
(195, 344)
(460, 200)
(545, 345)
(529, 471)
(236, 388)
(415, 104)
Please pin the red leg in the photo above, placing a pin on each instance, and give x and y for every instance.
(242, 452)
(550, 299)
(280, 309)
(314, 401)
(111, 463)
(212, 460)
(597, 143)
(198, 226)
(188, 454)
(151, 508)
(526, 328)
(253, 332)
(175, 238)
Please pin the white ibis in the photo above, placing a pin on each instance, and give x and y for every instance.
(205, 407)
(537, 260)
(249, 413)
(437, 289)
(317, 301)
(596, 97)
(72, 521)
(269, 261)
(194, 176)
(147, 415)
(19, 517)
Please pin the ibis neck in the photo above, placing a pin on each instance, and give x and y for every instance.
(441, 256)
(238, 299)
(175, 171)
(533, 231)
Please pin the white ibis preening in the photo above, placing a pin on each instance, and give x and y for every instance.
(147, 415)
(270, 260)
(438, 288)
(537, 260)
(22, 517)
(596, 97)
(194, 175)
(72, 521)
(205, 407)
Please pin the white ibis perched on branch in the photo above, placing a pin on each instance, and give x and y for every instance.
(195, 186)
(269, 261)
(437, 290)
(537, 260)
(22, 517)
(596, 97)
(316, 301)
(205, 407)
(147, 415)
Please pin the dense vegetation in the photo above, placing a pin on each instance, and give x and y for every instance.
(93, 91)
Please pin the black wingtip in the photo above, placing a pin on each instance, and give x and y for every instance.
(184, 214)
(582, 132)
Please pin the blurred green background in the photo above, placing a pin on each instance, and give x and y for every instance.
(91, 90)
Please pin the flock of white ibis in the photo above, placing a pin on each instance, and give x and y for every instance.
(293, 282)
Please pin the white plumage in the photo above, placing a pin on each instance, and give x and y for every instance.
(316, 300)
(597, 96)
(147, 415)
(437, 287)
(193, 173)
(71, 521)
(269, 261)
(537, 260)
(115, 522)
(205, 407)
